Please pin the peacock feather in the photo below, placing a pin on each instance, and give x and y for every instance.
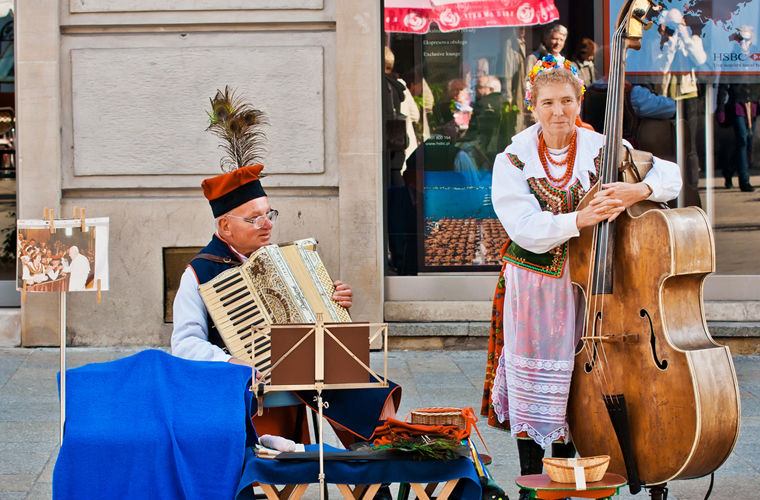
(239, 126)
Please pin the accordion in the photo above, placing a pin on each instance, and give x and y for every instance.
(278, 284)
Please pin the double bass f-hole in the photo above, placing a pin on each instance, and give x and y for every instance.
(662, 365)
(589, 365)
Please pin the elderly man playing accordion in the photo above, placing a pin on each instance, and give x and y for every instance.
(244, 222)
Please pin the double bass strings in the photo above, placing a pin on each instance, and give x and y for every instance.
(613, 130)
(593, 343)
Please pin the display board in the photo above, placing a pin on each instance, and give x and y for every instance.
(710, 37)
(72, 257)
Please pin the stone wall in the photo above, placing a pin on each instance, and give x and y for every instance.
(112, 98)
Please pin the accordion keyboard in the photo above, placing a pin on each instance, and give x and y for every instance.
(236, 312)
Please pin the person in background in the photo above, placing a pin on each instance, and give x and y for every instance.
(423, 96)
(553, 44)
(79, 269)
(452, 115)
(395, 130)
(412, 115)
(483, 135)
(643, 102)
(738, 106)
(584, 60)
(406, 109)
(53, 270)
(65, 263)
(679, 50)
(26, 273)
(482, 68)
(514, 77)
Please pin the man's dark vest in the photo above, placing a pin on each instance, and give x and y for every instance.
(214, 259)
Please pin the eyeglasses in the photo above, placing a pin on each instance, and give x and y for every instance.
(258, 222)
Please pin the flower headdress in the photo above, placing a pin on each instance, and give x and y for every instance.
(549, 63)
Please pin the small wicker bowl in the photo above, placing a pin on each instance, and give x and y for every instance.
(561, 470)
(438, 416)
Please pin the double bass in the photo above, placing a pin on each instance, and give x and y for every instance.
(650, 387)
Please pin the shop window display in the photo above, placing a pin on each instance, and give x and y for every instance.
(466, 88)
(463, 67)
(697, 61)
(8, 295)
(705, 56)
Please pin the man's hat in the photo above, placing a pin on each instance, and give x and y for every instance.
(228, 191)
(238, 125)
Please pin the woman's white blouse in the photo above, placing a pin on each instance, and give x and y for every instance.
(517, 208)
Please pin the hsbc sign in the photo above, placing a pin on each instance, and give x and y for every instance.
(734, 57)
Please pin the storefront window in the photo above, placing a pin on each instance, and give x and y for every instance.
(464, 120)
(691, 97)
(452, 100)
(8, 295)
(704, 57)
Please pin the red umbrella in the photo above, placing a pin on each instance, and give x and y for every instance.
(415, 16)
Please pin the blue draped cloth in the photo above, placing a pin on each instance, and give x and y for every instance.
(154, 426)
(271, 471)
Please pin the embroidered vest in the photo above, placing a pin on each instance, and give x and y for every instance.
(554, 200)
(207, 268)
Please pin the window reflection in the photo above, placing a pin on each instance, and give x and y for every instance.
(697, 73)
(7, 154)
(699, 57)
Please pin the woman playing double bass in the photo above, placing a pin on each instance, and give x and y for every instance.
(538, 182)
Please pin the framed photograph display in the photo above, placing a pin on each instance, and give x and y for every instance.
(71, 258)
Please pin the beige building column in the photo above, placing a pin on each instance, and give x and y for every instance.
(358, 73)
(38, 142)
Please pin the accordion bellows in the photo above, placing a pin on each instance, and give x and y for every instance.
(278, 284)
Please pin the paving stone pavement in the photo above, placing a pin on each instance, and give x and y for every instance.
(29, 418)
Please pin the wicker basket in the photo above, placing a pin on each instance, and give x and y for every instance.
(439, 416)
(562, 470)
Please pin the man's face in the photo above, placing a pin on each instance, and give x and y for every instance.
(555, 43)
(481, 87)
(242, 235)
(745, 44)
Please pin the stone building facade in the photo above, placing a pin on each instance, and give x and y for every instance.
(110, 107)
(111, 99)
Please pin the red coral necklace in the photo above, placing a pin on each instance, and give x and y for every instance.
(569, 160)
